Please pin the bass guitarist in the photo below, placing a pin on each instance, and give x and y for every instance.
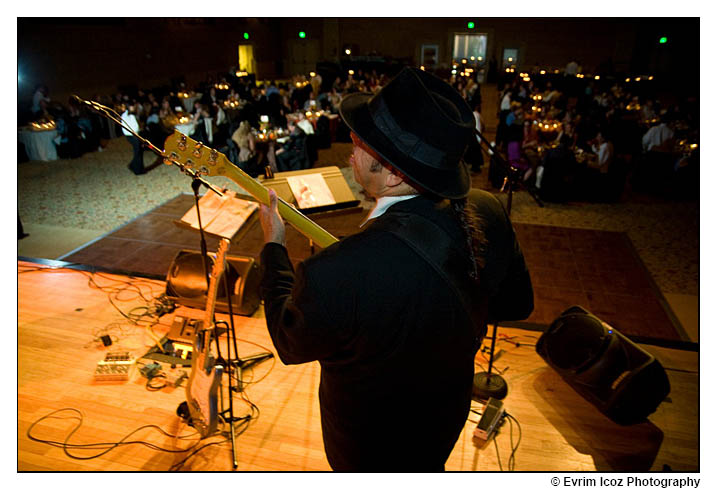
(395, 314)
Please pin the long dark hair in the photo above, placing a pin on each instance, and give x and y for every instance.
(473, 228)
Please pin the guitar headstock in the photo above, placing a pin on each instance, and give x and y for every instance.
(195, 155)
(218, 266)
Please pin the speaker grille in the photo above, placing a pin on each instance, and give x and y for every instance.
(187, 277)
(575, 341)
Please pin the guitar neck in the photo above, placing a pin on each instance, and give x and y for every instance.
(216, 273)
(295, 217)
(185, 151)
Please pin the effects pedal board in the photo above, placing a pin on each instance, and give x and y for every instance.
(490, 418)
(116, 366)
(184, 330)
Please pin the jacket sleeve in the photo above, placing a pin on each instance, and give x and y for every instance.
(297, 319)
(514, 299)
(505, 277)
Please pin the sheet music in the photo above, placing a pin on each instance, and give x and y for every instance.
(311, 190)
(221, 215)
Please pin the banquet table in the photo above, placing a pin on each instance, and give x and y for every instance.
(39, 145)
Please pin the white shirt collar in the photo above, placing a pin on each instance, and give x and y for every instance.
(383, 204)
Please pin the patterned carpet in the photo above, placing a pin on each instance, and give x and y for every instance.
(98, 192)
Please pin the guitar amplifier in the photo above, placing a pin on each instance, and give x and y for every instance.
(187, 283)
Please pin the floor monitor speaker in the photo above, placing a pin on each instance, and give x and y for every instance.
(187, 283)
(621, 379)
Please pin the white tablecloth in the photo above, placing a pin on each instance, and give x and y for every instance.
(39, 145)
(186, 129)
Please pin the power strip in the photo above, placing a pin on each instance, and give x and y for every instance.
(116, 366)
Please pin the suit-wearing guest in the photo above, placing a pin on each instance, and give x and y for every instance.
(400, 308)
(129, 117)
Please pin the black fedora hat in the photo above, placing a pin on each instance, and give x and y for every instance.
(420, 125)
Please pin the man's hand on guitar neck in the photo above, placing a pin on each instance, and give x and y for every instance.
(271, 220)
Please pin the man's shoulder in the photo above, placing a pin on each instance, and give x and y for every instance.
(354, 248)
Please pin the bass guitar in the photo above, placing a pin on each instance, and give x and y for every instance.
(188, 152)
(203, 385)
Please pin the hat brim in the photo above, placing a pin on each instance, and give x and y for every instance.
(453, 183)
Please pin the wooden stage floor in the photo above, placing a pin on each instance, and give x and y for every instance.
(60, 316)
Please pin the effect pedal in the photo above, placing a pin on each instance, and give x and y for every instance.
(490, 418)
(116, 366)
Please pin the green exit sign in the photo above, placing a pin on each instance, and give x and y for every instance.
(663, 40)
(470, 25)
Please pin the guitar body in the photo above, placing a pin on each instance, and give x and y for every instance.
(203, 385)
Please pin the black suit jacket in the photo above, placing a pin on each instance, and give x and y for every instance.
(395, 345)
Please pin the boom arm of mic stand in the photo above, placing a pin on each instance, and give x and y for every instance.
(488, 144)
(112, 115)
(509, 167)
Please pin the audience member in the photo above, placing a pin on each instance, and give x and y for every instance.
(293, 155)
(40, 101)
(129, 118)
(244, 139)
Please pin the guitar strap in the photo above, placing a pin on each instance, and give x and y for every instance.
(435, 246)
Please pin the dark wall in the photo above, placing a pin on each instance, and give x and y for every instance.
(85, 56)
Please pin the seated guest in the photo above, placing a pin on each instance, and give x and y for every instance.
(156, 130)
(40, 101)
(596, 183)
(310, 104)
(655, 169)
(166, 110)
(305, 124)
(68, 140)
(515, 124)
(210, 97)
(604, 149)
(244, 139)
(648, 112)
(277, 110)
(659, 138)
(567, 129)
(531, 136)
(293, 155)
(88, 133)
(554, 177)
(205, 127)
(333, 98)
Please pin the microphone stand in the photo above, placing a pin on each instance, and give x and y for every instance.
(487, 384)
(512, 173)
(229, 364)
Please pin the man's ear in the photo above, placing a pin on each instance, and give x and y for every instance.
(391, 180)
